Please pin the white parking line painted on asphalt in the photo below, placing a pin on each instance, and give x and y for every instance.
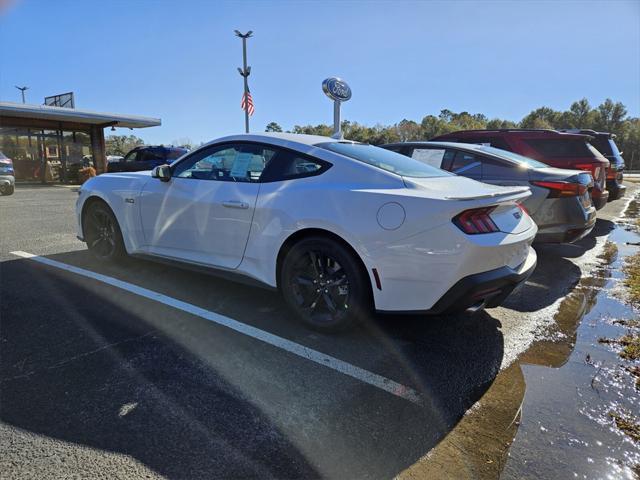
(320, 358)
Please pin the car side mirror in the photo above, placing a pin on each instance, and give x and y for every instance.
(162, 172)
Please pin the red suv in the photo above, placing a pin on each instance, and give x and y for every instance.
(562, 150)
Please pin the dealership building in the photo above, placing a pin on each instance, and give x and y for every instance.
(51, 143)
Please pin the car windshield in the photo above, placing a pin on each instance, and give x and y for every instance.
(385, 159)
(521, 159)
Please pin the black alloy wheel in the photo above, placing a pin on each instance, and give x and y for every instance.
(102, 232)
(324, 284)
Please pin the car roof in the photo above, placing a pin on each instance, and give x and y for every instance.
(462, 146)
(277, 138)
(466, 146)
(587, 131)
(158, 147)
(525, 132)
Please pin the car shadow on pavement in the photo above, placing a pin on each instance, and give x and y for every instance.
(112, 373)
(555, 275)
(78, 368)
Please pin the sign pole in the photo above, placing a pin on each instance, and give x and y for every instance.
(245, 72)
(337, 129)
(338, 91)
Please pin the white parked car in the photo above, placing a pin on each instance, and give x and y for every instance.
(338, 227)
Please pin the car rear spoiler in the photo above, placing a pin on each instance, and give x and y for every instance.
(508, 194)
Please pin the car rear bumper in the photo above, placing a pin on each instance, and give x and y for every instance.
(564, 220)
(599, 198)
(616, 188)
(480, 290)
(7, 180)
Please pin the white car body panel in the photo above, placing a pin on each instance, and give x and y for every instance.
(417, 260)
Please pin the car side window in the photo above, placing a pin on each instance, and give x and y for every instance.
(447, 159)
(229, 163)
(131, 156)
(431, 156)
(173, 154)
(150, 156)
(466, 164)
(494, 168)
(288, 165)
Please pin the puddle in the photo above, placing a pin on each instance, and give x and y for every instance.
(570, 416)
(547, 415)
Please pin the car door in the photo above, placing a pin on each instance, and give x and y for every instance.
(203, 214)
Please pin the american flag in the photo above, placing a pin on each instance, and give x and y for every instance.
(247, 103)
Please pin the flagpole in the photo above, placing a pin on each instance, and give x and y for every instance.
(245, 72)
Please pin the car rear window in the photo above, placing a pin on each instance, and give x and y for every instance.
(3, 156)
(603, 145)
(561, 147)
(520, 159)
(384, 159)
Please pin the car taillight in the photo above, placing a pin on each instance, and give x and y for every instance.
(563, 189)
(475, 221)
(595, 170)
(523, 208)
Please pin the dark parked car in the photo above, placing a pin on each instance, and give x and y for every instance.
(146, 158)
(559, 203)
(605, 144)
(557, 149)
(7, 175)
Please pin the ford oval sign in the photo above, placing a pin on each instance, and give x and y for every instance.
(336, 89)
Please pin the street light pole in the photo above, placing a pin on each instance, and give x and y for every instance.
(245, 72)
(22, 89)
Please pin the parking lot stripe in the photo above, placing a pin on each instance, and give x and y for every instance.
(320, 358)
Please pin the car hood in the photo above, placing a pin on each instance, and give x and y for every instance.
(144, 173)
(462, 188)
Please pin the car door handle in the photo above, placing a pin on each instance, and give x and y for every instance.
(235, 204)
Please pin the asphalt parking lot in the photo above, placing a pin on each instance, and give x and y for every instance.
(100, 378)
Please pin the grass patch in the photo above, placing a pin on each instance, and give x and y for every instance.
(630, 347)
(628, 323)
(632, 271)
(630, 344)
(635, 372)
(627, 425)
(609, 252)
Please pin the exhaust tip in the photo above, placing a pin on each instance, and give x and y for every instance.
(476, 307)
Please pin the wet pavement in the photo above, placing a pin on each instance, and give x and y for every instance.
(97, 381)
(547, 415)
(566, 426)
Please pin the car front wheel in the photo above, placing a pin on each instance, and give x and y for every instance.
(324, 284)
(102, 232)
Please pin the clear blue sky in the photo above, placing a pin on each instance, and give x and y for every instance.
(177, 60)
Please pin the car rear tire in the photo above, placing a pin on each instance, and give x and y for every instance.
(102, 232)
(7, 190)
(324, 284)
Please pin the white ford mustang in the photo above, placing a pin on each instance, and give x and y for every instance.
(338, 227)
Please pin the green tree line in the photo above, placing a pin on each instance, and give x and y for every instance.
(609, 116)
